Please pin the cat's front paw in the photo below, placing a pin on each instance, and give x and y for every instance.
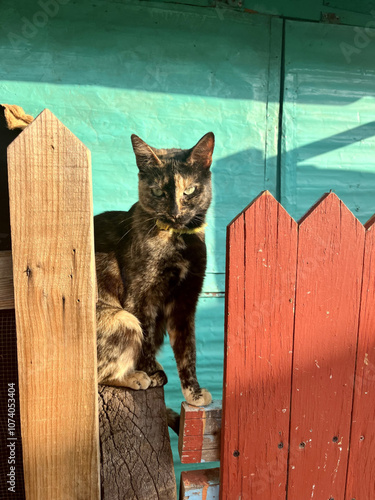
(137, 380)
(158, 379)
(197, 398)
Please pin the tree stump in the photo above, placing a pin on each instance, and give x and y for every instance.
(136, 457)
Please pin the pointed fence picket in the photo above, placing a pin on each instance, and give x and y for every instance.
(54, 294)
(307, 401)
(328, 289)
(298, 416)
(262, 254)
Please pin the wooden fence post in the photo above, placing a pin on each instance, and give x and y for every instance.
(261, 271)
(329, 277)
(54, 283)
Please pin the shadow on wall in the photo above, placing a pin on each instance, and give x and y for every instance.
(239, 178)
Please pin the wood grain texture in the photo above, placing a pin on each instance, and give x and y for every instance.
(329, 276)
(261, 272)
(200, 484)
(361, 469)
(136, 456)
(54, 281)
(6, 280)
(200, 433)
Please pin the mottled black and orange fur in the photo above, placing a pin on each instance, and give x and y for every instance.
(151, 264)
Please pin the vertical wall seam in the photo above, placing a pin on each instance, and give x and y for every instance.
(267, 103)
(281, 109)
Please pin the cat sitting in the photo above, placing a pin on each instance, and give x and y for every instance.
(150, 264)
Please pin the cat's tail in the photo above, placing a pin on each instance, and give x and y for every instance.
(173, 420)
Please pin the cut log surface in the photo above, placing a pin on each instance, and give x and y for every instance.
(136, 457)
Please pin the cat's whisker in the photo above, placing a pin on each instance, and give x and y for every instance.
(198, 218)
(137, 225)
(151, 229)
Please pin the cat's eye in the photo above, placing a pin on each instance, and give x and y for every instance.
(189, 190)
(157, 192)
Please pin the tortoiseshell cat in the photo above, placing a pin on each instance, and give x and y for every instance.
(150, 265)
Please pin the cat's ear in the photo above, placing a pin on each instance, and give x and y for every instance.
(144, 155)
(201, 153)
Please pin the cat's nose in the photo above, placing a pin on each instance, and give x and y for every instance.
(175, 213)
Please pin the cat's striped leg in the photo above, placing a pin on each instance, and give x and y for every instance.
(148, 364)
(159, 378)
(181, 332)
(120, 340)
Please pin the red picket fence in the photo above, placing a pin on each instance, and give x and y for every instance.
(299, 382)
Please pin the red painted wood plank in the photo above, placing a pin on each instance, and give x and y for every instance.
(361, 470)
(261, 272)
(190, 440)
(329, 276)
(199, 436)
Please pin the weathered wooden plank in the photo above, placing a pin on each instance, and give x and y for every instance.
(136, 456)
(200, 484)
(200, 433)
(54, 282)
(6, 280)
(262, 247)
(329, 276)
(361, 469)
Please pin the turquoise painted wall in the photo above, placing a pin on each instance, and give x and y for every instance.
(328, 118)
(171, 73)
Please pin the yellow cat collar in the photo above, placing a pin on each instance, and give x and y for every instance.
(166, 227)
